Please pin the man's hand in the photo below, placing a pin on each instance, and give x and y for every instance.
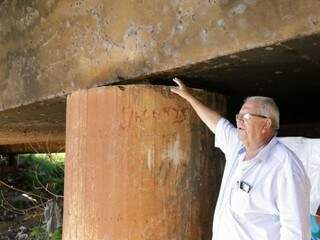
(181, 90)
(208, 116)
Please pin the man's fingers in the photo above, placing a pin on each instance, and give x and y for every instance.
(181, 89)
(178, 81)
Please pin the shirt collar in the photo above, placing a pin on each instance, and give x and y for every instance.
(264, 152)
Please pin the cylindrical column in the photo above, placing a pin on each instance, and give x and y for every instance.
(140, 165)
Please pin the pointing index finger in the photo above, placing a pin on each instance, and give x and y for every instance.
(178, 81)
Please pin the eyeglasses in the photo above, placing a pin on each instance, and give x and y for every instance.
(247, 116)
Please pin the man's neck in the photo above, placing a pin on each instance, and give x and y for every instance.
(253, 150)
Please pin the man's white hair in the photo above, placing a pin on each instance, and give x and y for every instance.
(268, 108)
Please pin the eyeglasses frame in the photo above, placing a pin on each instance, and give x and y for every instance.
(247, 116)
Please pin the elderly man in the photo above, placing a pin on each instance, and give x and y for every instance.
(265, 191)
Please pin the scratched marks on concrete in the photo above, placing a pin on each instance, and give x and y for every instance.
(176, 115)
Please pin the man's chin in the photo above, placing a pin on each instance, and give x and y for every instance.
(241, 135)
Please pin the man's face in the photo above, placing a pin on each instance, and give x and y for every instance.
(250, 125)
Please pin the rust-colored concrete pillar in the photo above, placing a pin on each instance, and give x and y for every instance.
(140, 165)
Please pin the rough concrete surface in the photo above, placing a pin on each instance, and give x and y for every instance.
(142, 173)
(53, 47)
(38, 127)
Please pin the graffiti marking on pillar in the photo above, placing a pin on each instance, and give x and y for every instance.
(155, 114)
(176, 115)
(179, 114)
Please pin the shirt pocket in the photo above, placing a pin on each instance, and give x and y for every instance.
(239, 201)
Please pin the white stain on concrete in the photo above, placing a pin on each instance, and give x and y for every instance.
(252, 45)
(173, 152)
(221, 23)
(167, 49)
(238, 9)
(150, 160)
(204, 35)
(179, 28)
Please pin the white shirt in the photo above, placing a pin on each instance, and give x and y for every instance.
(308, 151)
(277, 205)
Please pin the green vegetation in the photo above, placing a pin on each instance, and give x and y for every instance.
(43, 173)
(40, 233)
(39, 180)
(57, 235)
(44, 177)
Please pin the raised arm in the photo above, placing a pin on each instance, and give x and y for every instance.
(209, 116)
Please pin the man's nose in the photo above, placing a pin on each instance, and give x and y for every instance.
(240, 123)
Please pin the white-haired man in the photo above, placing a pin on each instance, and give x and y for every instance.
(265, 191)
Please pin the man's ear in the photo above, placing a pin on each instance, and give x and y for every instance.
(268, 124)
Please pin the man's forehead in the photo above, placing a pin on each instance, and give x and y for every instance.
(251, 105)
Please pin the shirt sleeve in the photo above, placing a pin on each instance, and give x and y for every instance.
(293, 205)
(226, 137)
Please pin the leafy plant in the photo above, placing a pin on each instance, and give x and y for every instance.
(39, 233)
(43, 172)
(57, 235)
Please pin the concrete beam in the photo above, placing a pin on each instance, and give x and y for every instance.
(50, 48)
(38, 127)
(140, 165)
(50, 146)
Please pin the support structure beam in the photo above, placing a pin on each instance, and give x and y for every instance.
(140, 165)
(37, 127)
(34, 147)
(49, 48)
